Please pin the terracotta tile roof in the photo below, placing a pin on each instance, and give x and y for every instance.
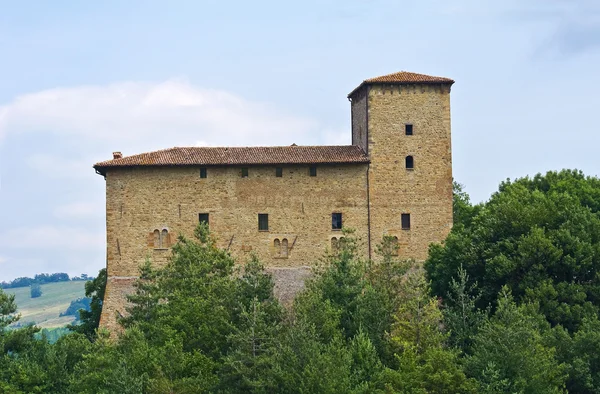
(194, 156)
(405, 77)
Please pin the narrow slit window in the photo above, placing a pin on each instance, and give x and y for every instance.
(156, 239)
(336, 221)
(263, 222)
(410, 162)
(278, 172)
(203, 218)
(245, 172)
(203, 173)
(334, 244)
(405, 219)
(313, 171)
(284, 248)
(164, 239)
(408, 129)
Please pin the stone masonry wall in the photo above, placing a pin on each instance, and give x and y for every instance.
(140, 200)
(359, 119)
(425, 191)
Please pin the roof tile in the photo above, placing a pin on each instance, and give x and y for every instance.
(405, 77)
(192, 156)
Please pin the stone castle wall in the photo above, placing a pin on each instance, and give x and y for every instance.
(424, 192)
(142, 200)
(371, 197)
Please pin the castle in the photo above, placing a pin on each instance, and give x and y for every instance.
(288, 204)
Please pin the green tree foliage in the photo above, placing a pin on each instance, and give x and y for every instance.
(90, 319)
(511, 352)
(425, 363)
(35, 290)
(462, 318)
(539, 236)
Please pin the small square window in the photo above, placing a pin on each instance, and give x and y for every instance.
(203, 173)
(244, 172)
(405, 219)
(278, 172)
(263, 222)
(336, 221)
(203, 218)
(313, 171)
(408, 129)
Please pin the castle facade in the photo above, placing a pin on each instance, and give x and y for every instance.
(288, 204)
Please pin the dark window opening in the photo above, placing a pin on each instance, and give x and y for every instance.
(410, 162)
(244, 173)
(284, 248)
(203, 173)
(313, 171)
(336, 221)
(203, 218)
(278, 172)
(263, 222)
(408, 129)
(405, 218)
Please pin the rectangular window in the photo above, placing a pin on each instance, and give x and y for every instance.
(203, 173)
(244, 173)
(279, 172)
(405, 221)
(313, 170)
(408, 129)
(203, 218)
(263, 222)
(336, 221)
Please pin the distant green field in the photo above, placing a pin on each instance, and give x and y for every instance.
(44, 311)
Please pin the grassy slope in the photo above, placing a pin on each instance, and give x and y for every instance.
(45, 310)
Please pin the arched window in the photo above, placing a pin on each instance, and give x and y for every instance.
(334, 244)
(410, 162)
(284, 248)
(156, 239)
(276, 247)
(164, 238)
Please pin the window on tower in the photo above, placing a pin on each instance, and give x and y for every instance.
(410, 162)
(336, 221)
(408, 129)
(203, 218)
(405, 219)
(263, 222)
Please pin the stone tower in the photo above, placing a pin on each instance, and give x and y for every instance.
(402, 122)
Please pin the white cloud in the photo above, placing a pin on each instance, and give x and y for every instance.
(53, 237)
(79, 210)
(136, 116)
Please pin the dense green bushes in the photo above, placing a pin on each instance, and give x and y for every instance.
(507, 305)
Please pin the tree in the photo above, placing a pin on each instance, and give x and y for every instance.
(462, 318)
(424, 363)
(511, 352)
(35, 290)
(90, 320)
(539, 236)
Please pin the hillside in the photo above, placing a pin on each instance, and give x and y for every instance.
(44, 311)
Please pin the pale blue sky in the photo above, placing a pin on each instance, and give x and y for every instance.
(79, 80)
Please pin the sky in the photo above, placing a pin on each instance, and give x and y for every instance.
(80, 80)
